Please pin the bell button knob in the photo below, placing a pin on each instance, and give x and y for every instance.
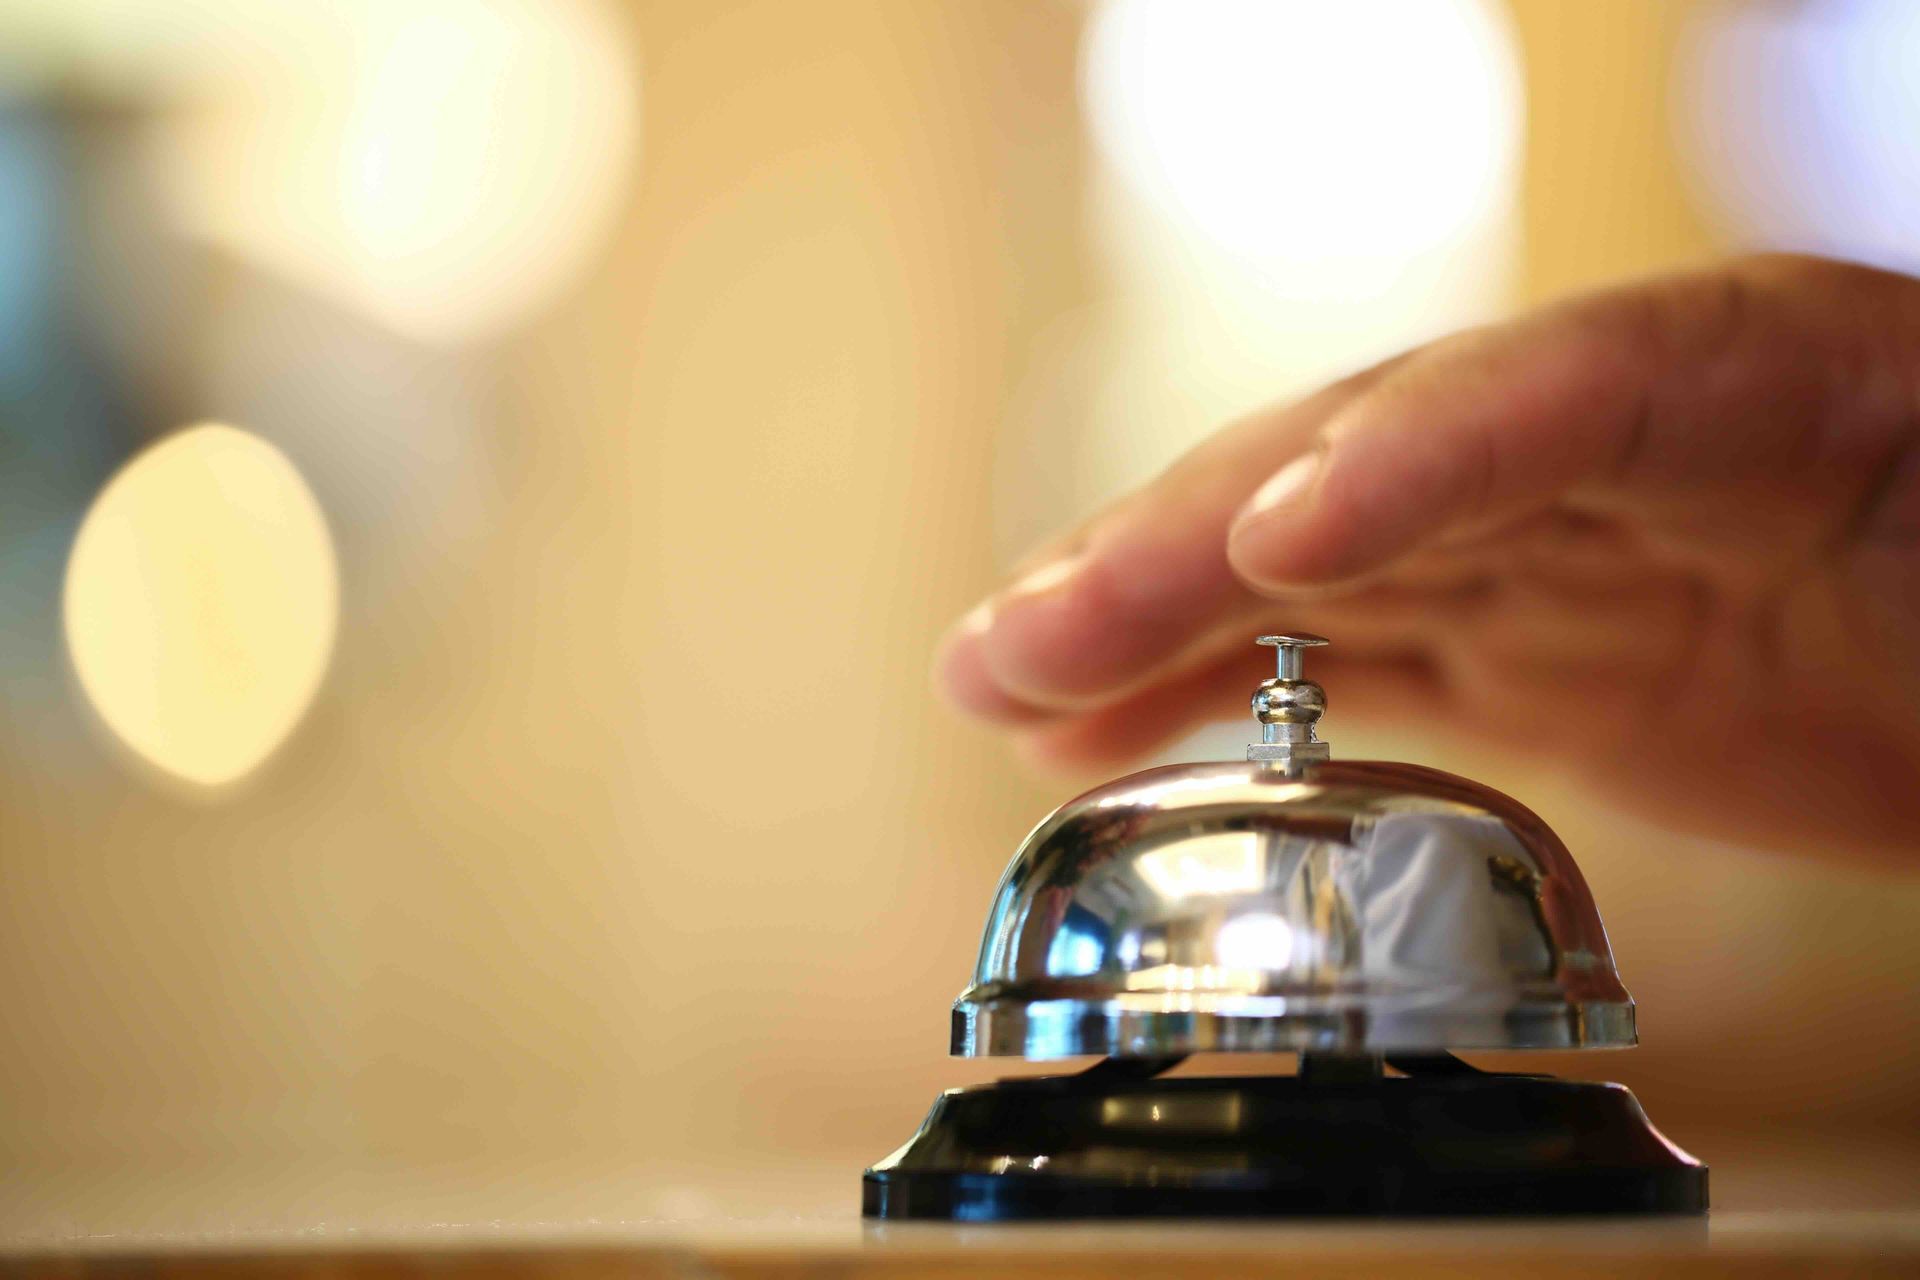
(1289, 705)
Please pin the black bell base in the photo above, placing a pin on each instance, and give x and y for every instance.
(1106, 1146)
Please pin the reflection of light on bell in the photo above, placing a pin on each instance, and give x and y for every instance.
(201, 602)
(1175, 978)
(446, 169)
(1223, 862)
(1256, 940)
(1313, 137)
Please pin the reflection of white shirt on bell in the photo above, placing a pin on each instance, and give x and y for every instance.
(1438, 935)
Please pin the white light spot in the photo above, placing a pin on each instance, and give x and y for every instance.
(1256, 940)
(1801, 122)
(1326, 141)
(201, 602)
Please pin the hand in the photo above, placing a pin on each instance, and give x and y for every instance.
(1665, 539)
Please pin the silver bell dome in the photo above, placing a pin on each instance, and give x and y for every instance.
(1291, 903)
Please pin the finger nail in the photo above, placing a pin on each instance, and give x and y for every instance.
(961, 675)
(977, 620)
(961, 668)
(1290, 486)
(1048, 577)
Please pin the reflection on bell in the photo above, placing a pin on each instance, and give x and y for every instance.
(1364, 915)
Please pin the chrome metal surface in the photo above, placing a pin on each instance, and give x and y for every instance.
(1348, 906)
(1289, 705)
(1292, 905)
(1288, 649)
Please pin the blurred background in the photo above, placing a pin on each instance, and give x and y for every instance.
(481, 480)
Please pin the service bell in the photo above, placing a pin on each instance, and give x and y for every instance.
(1367, 916)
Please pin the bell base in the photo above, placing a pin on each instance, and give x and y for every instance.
(1088, 1147)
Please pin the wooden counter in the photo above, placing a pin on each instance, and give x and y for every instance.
(1735, 1244)
(1812, 1202)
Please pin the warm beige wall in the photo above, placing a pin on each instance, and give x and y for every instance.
(1605, 196)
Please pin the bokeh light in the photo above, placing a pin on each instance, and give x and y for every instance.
(1325, 141)
(1281, 193)
(1803, 125)
(201, 602)
(446, 170)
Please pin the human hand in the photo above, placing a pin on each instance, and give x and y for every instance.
(1665, 539)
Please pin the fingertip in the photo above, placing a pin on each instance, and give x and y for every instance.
(1265, 552)
(1375, 486)
(1074, 637)
(1307, 543)
(965, 682)
(1044, 630)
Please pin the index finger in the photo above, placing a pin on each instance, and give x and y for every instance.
(1139, 585)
